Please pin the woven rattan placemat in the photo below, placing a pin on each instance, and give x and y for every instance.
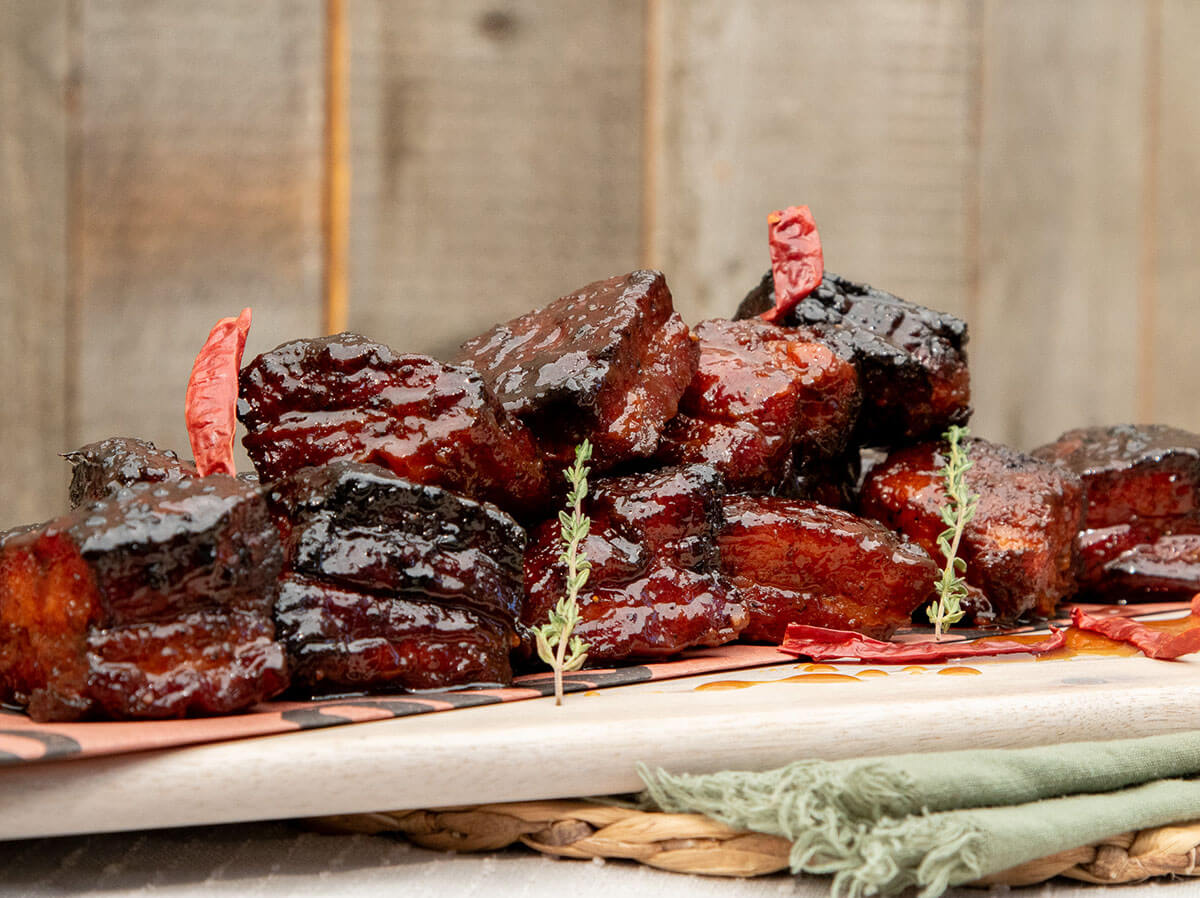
(691, 843)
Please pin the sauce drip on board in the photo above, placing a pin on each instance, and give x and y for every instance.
(826, 673)
(1084, 643)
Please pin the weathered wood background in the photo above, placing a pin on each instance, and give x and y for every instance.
(1032, 166)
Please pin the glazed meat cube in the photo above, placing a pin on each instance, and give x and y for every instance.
(1128, 471)
(1167, 569)
(1098, 546)
(741, 451)
(761, 393)
(799, 562)
(362, 527)
(829, 481)
(341, 638)
(607, 363)
(156, 602)
(202, 662)
(101, 469)
(1018, 547)
(654, 587)
(393, 584)
(911, 360)
(661, 612)
(345, 397)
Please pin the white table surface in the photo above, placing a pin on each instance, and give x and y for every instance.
(281, 859)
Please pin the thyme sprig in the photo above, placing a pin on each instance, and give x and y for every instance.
(555, 644)
(956, 514)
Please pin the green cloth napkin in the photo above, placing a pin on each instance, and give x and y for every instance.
(936, 820)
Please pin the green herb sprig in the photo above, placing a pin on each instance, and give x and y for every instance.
(956, 514)
(555, 644)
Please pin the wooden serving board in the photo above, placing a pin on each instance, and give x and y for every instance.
(751, 719)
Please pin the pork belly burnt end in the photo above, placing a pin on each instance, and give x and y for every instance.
(608, 362)
(1018, 547)
(1166, 569)
(911, 360)
(345, 397)
(799, 562)
(829, 481)
(1131, 472)
(101, 469)
(1142, 486)
(154, 603)
(1098, 547)
(348, 639)
(394, 584)
(654, 587)
(760, 393)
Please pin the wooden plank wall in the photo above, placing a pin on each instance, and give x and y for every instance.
(34, 88)
(861, 110)
(176, 181)
(496, 160)
(1173, 325)
(200, 194)
(1034, 167)
(1061, 168)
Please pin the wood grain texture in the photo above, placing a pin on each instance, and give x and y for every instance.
(1175, 337)
(1061, 192)
(496, 149)
(201, 186)
(336, 180)
(862, 110)
(590, 746)
(34, 74)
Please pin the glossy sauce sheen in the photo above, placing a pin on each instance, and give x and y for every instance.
(832, 676)
(1018, 548)
(1168, 567)
(156, 602)
(654, 587)
(799, 562)
(607, 363)
(393, 584)
(348, 398)
(1130, 472)
(911, 360)
(760, 393)
(1099, 546)
(346, 639)
(101, 469)
(1142, 529)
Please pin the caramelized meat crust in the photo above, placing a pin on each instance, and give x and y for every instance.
(799, 562)
(828, 481)
(345, 397)
(153, 603)
(347, 639)
(392, 584)
(741, 451)
(760, 393)
(1097, 547)
(654, 587)
(1131, 472)
(202, 662)
(101, 469)
(362, 527)
(1166, 569)
(607, 363)
(911, 360)
(1018, 547)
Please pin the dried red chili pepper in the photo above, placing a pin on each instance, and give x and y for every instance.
(797, 264)
(1152, 643)
(212, 392)
(823, 644)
